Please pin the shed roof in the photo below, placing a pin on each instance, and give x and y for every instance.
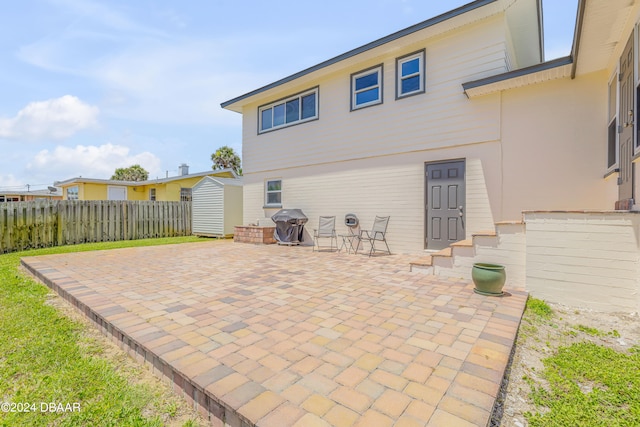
(237, 182)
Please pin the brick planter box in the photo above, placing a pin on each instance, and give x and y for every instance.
(254, 234)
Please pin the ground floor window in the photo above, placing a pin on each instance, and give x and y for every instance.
(72, 193)
(152, 194)
(273, 196)
(185, 194)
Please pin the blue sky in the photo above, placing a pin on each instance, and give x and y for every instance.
(87, 86)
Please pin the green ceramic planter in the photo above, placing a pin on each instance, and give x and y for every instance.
(488, 278)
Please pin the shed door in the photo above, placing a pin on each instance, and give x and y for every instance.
(445, 204)
(625, 180)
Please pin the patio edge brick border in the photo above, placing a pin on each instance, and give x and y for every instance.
(203, 401)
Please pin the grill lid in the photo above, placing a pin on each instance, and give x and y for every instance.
(293, 216)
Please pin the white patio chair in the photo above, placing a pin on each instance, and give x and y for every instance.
(378, 233)
(326, 230)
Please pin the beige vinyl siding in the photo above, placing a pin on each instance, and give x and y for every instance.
(208, 208)
(440, 117)
(216, 207)
(386, 185)
(233, 208)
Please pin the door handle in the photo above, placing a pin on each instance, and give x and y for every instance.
(460, 211)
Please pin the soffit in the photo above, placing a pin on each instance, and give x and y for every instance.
(552, 70)
(606, 26)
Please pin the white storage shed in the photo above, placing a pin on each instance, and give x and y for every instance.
(216, 206)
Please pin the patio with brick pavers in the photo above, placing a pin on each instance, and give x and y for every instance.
(283, 336)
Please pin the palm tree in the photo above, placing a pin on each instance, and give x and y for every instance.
(226, 158)
(132, 173)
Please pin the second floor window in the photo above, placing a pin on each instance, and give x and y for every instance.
(366, 88)
(410, 74)
(289, 111)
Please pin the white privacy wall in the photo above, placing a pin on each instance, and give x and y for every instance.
(584, 259)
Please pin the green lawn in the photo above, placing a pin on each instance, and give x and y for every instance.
(585, 384)
(45, 357)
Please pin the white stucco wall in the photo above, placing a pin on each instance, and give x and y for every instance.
(554, 145)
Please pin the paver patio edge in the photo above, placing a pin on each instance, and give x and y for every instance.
(203, 400)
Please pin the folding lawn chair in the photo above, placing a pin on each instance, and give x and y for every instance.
(326, 230)
(378, 233)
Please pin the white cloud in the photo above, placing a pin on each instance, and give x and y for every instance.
(11, 183)
(91, 161)
(57, 118)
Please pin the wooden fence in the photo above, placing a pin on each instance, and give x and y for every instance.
(45, 223)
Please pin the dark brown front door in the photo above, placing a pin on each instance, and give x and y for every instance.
(625, 137)
(445, 194)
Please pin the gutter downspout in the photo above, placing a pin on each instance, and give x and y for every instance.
(541, 31)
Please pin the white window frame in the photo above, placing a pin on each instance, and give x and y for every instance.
(117, 187)
(267, 192)
(420, 55)
(74, 196)
(378, 69)
(315, 91)
(152, 194)
(186, 194)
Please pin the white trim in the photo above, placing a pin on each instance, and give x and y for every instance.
(77, 192)
(118, 187)
(267, 192)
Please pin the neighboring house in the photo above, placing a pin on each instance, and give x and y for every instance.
(457, 124)
(27, 196)
(173, 189)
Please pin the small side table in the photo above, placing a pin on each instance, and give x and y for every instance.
(347, 242)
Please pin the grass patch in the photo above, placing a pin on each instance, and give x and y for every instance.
(538, 308)
(44, 356)
(589, 385)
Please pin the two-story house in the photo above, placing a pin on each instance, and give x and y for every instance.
(457, 124)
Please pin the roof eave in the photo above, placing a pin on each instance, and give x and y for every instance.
(230, 104)
(513, 79)
(79, 180)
